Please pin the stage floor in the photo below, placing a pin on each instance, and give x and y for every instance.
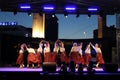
(25, 69)
(17, 69)
(16, 73)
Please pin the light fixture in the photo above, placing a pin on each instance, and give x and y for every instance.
(29, 14)
(92, 9)
(89, 15)
(77, 15)
(25, 6)
(48, 7)
(66, 15)
(70, 8)
(53, 15)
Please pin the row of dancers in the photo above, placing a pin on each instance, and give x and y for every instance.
(29, 56)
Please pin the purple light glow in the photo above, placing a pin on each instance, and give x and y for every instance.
(92, 9)
(70, 8)
(25, 6)
(48, 8)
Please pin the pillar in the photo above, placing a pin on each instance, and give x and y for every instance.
(101, 25)
(38, 27)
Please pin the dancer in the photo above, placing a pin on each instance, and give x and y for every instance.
(59, 50)
(32, 56)
(74, 54)
(47, 52)
(20, 58)
(87, 56)
(39, 54)
(81, 59)
(99, 56)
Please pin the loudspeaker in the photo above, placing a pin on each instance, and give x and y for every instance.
(49, 66)
(111, 67)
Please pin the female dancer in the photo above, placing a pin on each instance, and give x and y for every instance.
(22, 51)
(59, 50)
(87, 55)
(99, 56)
(74, 54)
(32, 56)
(81, 59)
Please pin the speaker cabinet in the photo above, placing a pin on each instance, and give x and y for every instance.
(49, 66)
(110, 67)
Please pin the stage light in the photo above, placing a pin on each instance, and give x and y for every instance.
(92, 9)
(66, 15)
(29, 14)
(89, 15)
(48, 7)
(53, 15)
(70, 8)
(25, 6)
(77, 15)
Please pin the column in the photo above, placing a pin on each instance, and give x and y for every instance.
(101, 25)
(38, 27)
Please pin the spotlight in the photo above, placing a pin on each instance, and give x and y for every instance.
(29, 14)
(25, 6)
(89, 15)
(53, 15)
(48, 7)
(70, 8)
(92, 9)
(66, 15)
(77, 15)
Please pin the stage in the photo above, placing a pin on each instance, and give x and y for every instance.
(16, 73)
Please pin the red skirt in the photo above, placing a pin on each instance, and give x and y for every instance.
(47, 57)
(39, 58)
(32, 58)
(53, 57)
(62, 56)
(99, 58)
(81, 60)
(75, 57)
(87, 58)
(20, 59)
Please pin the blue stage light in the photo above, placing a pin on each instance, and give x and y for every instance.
(92, 9)
(48, 7)
(25, 6)
(70, 8)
